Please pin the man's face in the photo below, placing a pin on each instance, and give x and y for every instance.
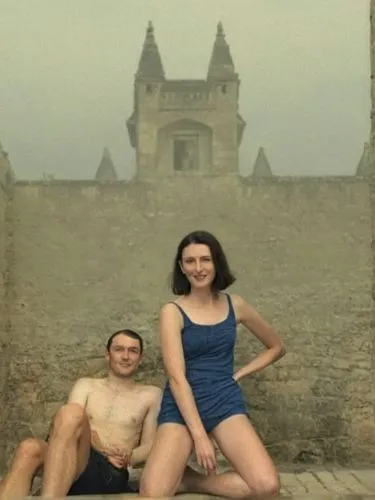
(124, 355)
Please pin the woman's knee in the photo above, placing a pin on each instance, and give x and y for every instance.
(69, 418)
(166, 462)
(151, 486)
(145, 489)
(268, 485)
(153, 489)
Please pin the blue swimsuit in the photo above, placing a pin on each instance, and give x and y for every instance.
(208, 352)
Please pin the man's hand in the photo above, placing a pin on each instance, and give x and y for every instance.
(118, 457)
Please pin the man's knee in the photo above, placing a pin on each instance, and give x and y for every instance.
(30, 449)
(69, 418)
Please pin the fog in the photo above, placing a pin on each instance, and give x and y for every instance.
(67, 72)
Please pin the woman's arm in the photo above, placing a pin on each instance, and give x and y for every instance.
(174, 363)
(253, 321)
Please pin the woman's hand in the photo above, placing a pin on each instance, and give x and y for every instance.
(206, 454)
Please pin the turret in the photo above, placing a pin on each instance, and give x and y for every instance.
(221, 66)
(261, 167)
(150, 66)
(106, 170)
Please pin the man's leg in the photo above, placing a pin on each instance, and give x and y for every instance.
(27, 459)
(68, 450)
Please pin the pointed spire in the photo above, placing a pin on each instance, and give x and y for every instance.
(364, 167)
(150, 64)
(106, 170)
(221, 63)
(261, 166)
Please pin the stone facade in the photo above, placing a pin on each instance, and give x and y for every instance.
(186, 126)
(89, 258)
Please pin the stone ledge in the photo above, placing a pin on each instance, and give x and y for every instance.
(309, 482)
(207, 497)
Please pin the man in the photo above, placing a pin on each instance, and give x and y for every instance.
(106, 426)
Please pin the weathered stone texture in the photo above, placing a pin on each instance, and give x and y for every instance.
(89, 259)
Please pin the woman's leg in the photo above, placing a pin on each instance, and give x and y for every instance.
(254, 472)
(166, 462)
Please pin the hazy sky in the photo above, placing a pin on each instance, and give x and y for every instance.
(67, 70)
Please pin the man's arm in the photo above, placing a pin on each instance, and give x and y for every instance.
(140, 453)
(80, 391)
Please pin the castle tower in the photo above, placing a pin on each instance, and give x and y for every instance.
(181, 127)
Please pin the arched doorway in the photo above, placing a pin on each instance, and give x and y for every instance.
(184, 146)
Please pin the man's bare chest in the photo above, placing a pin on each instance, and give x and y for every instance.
(124, 409)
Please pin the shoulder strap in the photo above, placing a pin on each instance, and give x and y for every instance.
(183, 313)
(230, 304)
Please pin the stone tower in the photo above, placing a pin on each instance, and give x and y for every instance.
(186, 126)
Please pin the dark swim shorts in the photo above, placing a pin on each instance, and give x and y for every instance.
(101, 478)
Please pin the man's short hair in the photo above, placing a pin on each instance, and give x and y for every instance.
(129, 333)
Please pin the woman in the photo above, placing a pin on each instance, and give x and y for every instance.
(202, 398)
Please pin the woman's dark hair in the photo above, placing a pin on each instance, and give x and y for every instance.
(128, 333)
(223, 275)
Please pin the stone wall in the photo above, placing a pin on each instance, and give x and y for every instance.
(2, 297)
(91, 258)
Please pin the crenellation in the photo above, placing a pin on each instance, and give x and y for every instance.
(186, 100)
